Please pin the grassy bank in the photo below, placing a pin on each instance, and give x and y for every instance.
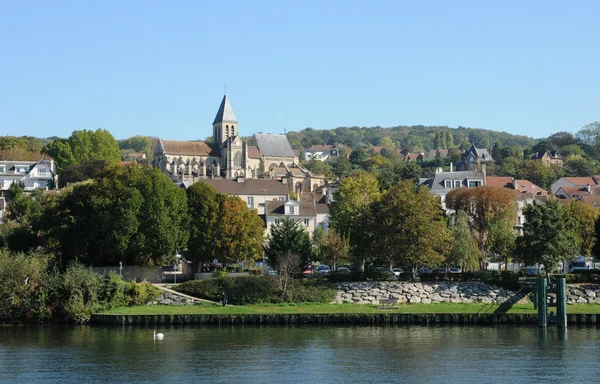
(342, 308)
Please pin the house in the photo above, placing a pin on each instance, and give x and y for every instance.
(473, 159)
(321, 152)
(298, 178)
(588, 194)
(525, 191)
(574, 182)
(441, 183)
(255, 193)
(549, 158)
(413, 157)
(307, 212)
(33, 174)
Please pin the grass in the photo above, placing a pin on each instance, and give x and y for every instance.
(340, 308)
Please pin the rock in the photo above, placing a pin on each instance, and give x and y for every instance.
(591, 294)
(414, 300)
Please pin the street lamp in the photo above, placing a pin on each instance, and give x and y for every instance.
(176, 266)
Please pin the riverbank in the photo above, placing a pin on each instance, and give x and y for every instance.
(446, 313)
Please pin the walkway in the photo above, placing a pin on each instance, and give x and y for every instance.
(163, 287)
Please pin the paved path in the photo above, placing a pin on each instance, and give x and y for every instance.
(163, 287)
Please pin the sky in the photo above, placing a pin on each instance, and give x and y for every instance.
(159, 68)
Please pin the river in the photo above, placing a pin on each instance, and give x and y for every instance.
(298, 354)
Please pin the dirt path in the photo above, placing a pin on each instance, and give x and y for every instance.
(163, 287)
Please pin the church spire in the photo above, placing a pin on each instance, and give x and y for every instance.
(225, 113)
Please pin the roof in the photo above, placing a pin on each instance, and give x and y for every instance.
(322, 209)
(433, 153)
(551, 154)
(581, 180)
(186, 148)
(319, 198)
(499, 182)
(225, 112)
(248, 187)
(581, 191)
(276, 208)
(480, 153)
(253, 152)
(411, 156)
(322, 147)
(436, 182)
(270, 144)
(526, 186)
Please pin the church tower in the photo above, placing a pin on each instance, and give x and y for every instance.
(225, 124)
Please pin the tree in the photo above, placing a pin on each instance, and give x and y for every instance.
(386, 142)
(83, 146)
(543, 146)
(350, 211)
(589, 137)
(548, 236)
(583, 218)
(289, 237)
(562, 139)
(287, 266)
(482, 205)
(141, 144)
(335, 249)
(358, 157)
(501, 239)
(538, 173)
(222, 227)
(23, 208)
(579, 166)
(80, 172)
(341, 167)
(464, 252)
(60, 151)
(407, 228)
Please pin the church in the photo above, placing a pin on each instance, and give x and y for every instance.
(264, 156)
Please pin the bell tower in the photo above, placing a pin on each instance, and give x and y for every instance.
(225, 124)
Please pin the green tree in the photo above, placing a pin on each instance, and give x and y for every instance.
(204, 206)
(23, 208)
(589, 137)
(386, 142)
(80, 172)
(407, 228)
(350, 211)
(60, 151)
(83, 146)
(335, 249)
(579, 166)
(501, 239)
(288, 237)
(583, 217)
(548, 235)
(538, 173)
(358, 157)
(464, 252)
(140, 144)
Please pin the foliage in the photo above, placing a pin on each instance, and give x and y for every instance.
(23, 208)
(501, 238)
(287, 266)
(464, 252)
(548, 235)
(407, 228)
(259, 289)
(140, 144)
(335, 249)
(584, 218)
(289, 237)
(221, 227)
(83, 146)
(80, 172)
(581, 167)
(482, 205)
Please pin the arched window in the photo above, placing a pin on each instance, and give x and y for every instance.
(237, 160)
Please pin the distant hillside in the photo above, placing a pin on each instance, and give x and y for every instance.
(413, 138)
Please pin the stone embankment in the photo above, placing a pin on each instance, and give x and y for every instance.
(172, 299)
(583, 294)
(434, 292)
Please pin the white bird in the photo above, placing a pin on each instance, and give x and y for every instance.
(158, 336)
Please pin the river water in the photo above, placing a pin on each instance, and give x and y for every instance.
(272, 354)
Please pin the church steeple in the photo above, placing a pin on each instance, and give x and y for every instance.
(225, 123)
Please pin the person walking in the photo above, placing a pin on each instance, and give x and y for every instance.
(224, 299)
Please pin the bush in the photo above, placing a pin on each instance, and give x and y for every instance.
(340, 277)
(508, 275)
(428, 276)
(258, 289)
(140, 293)
(111, 292)
(74, 293)
(380, 276)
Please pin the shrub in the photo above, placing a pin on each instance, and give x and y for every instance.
(340, 277)
(380, 276)
(508, 275)
(140, 293)
(74, 293)
(111, 291)
(428, 276)
(258, 289)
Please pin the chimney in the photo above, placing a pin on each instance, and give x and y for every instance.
(588, 188)
(484, 170)
(450, 166)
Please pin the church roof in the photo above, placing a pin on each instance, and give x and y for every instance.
(187, 148)
(248, 187)
(225, 112)
(273, 145)
(253, 152)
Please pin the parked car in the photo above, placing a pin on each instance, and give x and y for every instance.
(271, 272)
(443, 270)
(425, 270)
(531, 271)
(308, 271)
(323, 270)
(397, 271)
(381, 269)
(343, 269)
(455, 270)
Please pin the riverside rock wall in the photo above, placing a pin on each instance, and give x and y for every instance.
(426, 293)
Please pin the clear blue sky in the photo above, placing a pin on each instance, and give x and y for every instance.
(158, 67)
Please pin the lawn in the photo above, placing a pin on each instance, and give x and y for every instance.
(341, 308)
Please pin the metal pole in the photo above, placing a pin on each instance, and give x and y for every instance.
(542, 302)
(561, 302)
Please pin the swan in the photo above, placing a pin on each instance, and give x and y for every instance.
(158, 336)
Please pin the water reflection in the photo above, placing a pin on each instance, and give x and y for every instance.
(254, 354)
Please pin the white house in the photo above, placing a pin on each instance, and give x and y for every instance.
(309, 213)
(34, 175)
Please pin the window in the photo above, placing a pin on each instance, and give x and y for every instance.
(281, 198)
(2, 169)
(250, 202)
(276, 221)
(448, 183)
(457, 183)
(292, 209)
(474, 183)
(237, 160)
(519, 220)
(306, 222)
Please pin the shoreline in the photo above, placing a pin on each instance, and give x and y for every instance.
(472, 319)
